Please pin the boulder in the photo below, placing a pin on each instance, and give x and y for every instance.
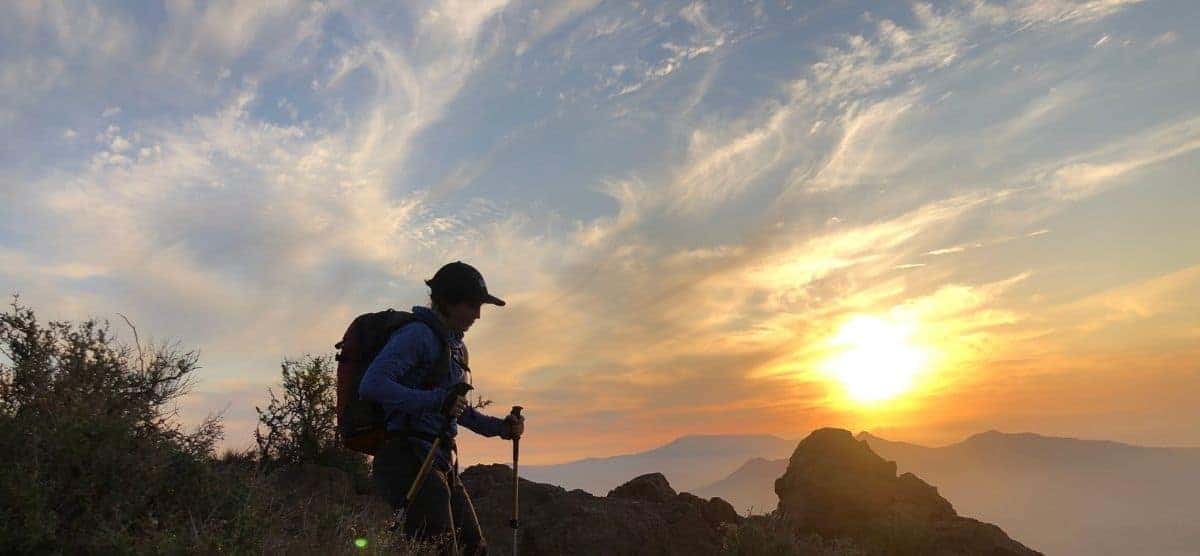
(715, 510)
(651, 487)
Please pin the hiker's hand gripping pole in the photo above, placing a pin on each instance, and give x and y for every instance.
(515, 523)
(459, 390)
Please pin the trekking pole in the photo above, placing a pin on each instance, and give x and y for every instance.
(516, 518)
(459, 389)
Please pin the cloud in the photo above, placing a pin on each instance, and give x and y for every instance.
(225, 31)
(860, 156)
(1166, 38)
(221, 226)
(73, 31)
(1041, 112)
(32, 75)
(862, 65)
(1141, 301)
(1088, 173)
(947, 251)
(552, 17)
(722, 167)
(748, 303)
(1030, 13)
(464, 18)
(759, 297)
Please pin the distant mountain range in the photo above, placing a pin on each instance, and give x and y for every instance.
(1058, 495)
(751, 488)
(688, 462)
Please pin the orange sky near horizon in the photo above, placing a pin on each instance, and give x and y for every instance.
(1121, 364)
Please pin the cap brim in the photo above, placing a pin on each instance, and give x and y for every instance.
(493, 300)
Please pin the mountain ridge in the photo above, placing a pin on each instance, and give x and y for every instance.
(687, 461)
(993, 435)
(670, 446)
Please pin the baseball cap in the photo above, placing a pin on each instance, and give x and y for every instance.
(459, 280)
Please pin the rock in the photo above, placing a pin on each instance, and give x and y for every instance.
(643, 516)
(836, 487)
(651, 487)
(715, 510)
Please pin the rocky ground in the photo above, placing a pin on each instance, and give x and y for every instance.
(643, 516)
(835, 488)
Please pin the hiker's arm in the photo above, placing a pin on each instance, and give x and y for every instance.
(405, 349)
(485, 425)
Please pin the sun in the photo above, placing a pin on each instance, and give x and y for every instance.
(875, 358)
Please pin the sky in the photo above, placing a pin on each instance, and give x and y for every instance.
(686, 205)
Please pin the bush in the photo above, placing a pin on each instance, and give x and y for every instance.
(900, 534)
(773, 535)
(93, 460)
(301, 427)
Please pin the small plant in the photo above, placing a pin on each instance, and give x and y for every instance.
(774, 535)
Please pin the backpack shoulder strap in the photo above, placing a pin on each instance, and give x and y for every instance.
(428, 376)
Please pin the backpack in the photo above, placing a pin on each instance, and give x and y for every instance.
(362, 423)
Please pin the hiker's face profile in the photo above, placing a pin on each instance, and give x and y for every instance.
(462, 315)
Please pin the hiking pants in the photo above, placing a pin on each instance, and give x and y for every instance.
(441, 506)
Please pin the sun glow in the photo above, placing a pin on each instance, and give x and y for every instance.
(875, 359)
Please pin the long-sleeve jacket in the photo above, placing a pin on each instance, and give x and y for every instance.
(415, 348)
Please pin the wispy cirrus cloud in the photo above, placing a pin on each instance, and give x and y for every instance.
(210, 225)
(1088, 173)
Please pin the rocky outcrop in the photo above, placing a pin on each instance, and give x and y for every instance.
(836, 487)
(651, 487)
(642, 516)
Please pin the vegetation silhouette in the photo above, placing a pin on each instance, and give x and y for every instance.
(300, 426)
(95, 460)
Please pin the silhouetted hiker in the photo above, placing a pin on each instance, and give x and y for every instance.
(415, 416)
